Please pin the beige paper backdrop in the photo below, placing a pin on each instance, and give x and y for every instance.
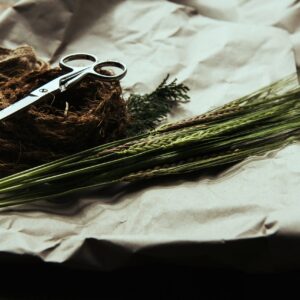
(248, 217)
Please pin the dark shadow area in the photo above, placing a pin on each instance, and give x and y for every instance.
(36, 280)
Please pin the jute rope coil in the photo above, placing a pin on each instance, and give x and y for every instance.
(91, 113)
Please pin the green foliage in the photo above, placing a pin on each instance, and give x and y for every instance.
(147, 111)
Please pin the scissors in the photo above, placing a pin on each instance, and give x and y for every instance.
(64, 82)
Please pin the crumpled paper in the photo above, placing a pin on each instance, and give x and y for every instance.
(245, 218)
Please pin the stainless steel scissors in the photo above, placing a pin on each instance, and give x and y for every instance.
(66, 81)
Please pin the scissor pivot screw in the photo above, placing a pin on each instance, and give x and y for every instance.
(43, 90)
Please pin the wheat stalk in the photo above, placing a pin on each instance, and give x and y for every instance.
(252, 125)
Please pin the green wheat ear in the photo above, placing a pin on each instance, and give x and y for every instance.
(263, 121)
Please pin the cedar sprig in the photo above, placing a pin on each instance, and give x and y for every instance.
(149, 110)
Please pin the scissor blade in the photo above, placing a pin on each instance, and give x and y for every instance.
(43, 91)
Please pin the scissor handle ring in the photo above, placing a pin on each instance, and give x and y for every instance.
(76, 56)
(111, 63)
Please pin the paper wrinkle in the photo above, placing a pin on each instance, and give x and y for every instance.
(226, 11)
(35, 25)
(221, 51)
(285, 14)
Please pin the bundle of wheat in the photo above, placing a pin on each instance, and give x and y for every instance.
(252, 125)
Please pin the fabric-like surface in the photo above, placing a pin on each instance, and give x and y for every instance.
(246, 217)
